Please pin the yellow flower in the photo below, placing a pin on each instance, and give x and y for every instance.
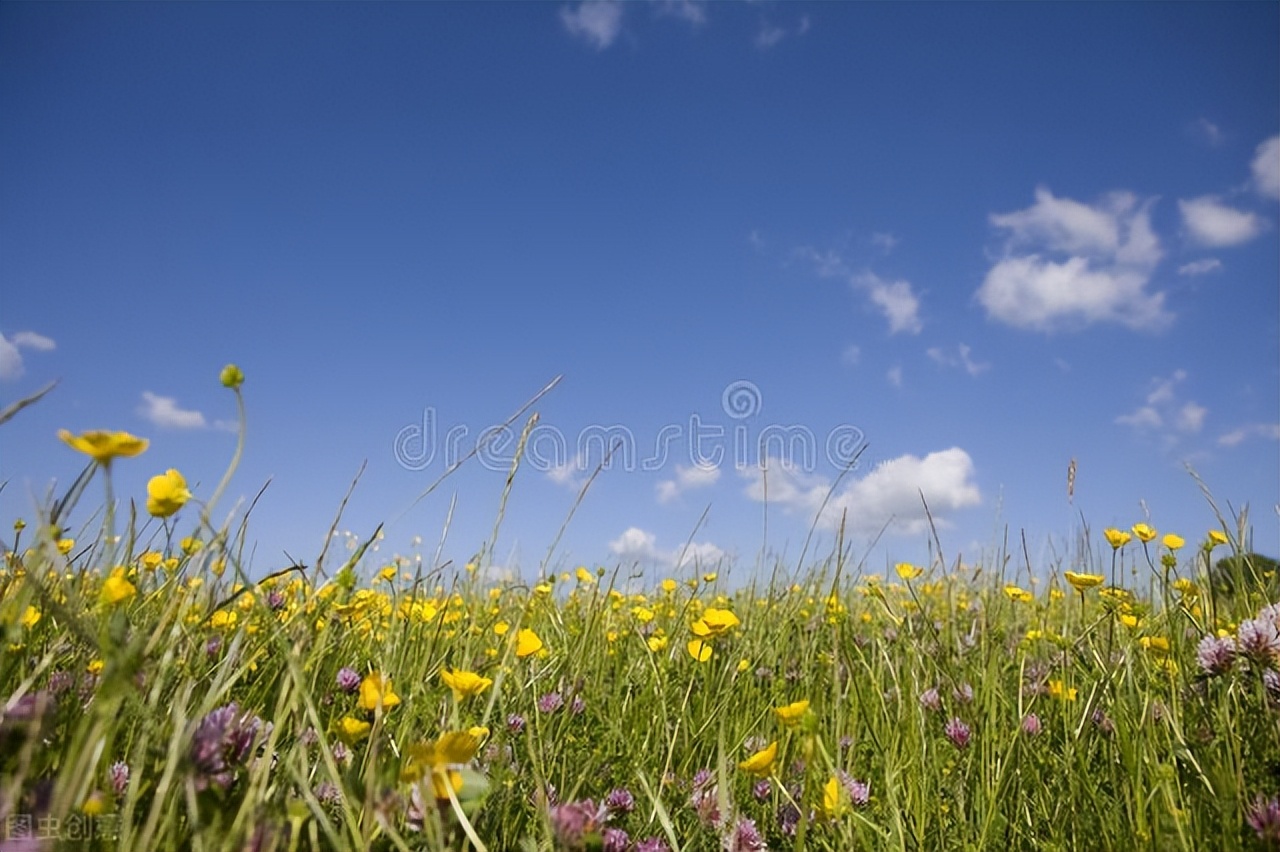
(166, 493)
(743, 665)
(464, 684)
(1157, 645)
(832, 798)
(352, 729)
(30, 616)
(657, 643)
(699, 650)
(1171, 541)
(116, 588)
(66, 545)
(1018, 594)
(527, 643)
(190, 544)
(438, 758)
(103, 446)
(501, 628)
(714, 622)
(584, 576)
(1144, 532)
(761, 763)
(1116, 538)
(95, 805)
(792, 713)
(1215, 538)
(376, 692)
(1083, 581)
(95, 667)
(1129, 620)
(1060, 691)
(907, 571)
(231, 376)
(223, 619)
(152, 559)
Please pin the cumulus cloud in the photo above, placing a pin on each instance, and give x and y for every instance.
(1212, 223)
(598, 22)
(568, 474)
(1268, 431)
(1266, 168)
(687, 479)
(895, 299)
(963, 358)
(889, 496)
(12, 365)
(1067, 264)
(1211, 133)
(1163, 413)
(692, 11)
(1200, 267)
(637, 545)
(163, 411)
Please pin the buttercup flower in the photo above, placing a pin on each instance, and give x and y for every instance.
(464, 684)
(439, 758)
(376, 692)
(1216, 538)
(907, 571)
(231, 376)
(1083, 581)
(714, 622)
(104, 446)
(1116, 538)
(699, 650)
(166, 493)
(116, 588)
(761, 763)
(527, 643)
(791, 714)
(1144, 532)
(1173, 542)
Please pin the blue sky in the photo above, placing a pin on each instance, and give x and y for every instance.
(982, 240)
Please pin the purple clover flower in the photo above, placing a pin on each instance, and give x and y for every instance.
(348, 680)
(1264, 818)
(1031, 725)
(931, 700)
(619, 801)
(745, 837)
(958, 732)
(550, 703)
(223, 741)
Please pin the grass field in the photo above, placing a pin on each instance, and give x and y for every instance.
(155, 698)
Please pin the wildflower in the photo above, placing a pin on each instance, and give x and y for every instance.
(615, 840)
(352, 729)
(1102, 721)
(859, 792)
(705, 799)
(1116, 538)
(328, 793)
(699, 650)
(1060, 691)
(931, 700)
(118, 774)
(620, 801)
(1215, 538)
(348, 679)
(1172, 541)
(166, 493)
(94, 805)
(103, 446)
(958, 732)
(657, 643)
(527, 642)
(376, 692)
(1031, 725)
(792, 713)
(714, 622)
(439, 759)
(907, 571)
(762, 789)
(1156, 645)
(515, 723)
(963, 694)
(116, 588)
(1264, 818)
(652, 844)
(66, 545)
(30, 616)
(464, 684)
(223, 740)
(1258, 639)
(1018, 594)
(550, 703)
(1144, 532)
(577, 705)
(231, 376)
(1083, 581)
(762, 762)
(576, 825)
(744, 837)
(501, 628)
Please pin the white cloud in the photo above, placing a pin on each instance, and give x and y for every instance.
(770, 34)
(963, 359)
(637, 545)
(1106, 251)
(32, 340)
(884, 241)
(687, 479)
(889, 495)
(1212, 223)
(1210, 132)
(894, 375)
(596, 21)
(693, 11)
(1266, 167)
(1200, 267)
(1270, 431)
(851, 355)
(1163, 413)
(895, 299)
(568, 474)
(163, 411)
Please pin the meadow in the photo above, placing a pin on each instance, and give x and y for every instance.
(153, 696)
